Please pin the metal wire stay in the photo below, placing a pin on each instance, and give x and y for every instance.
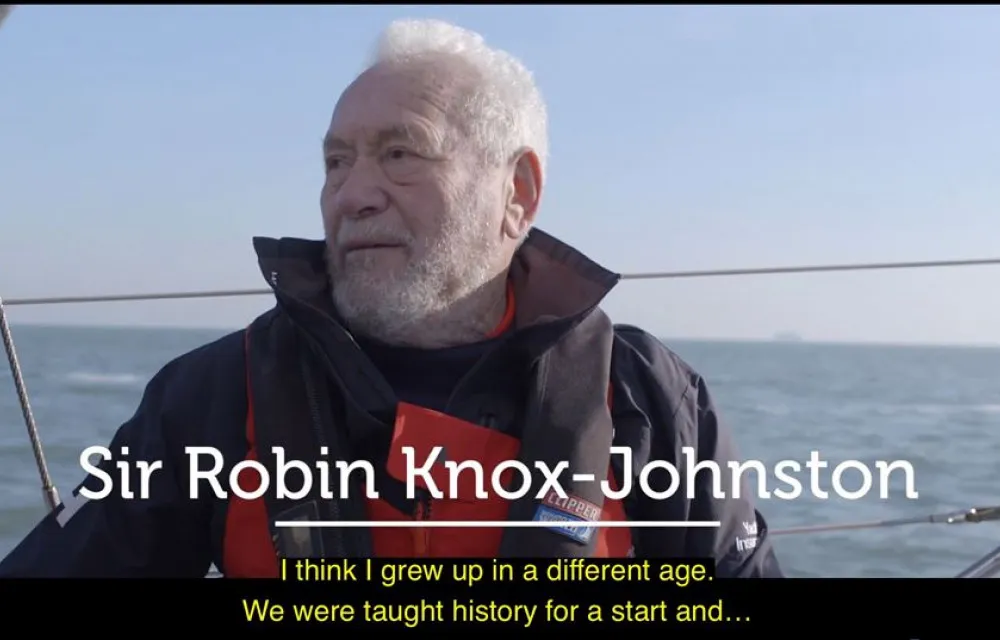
(652, 275)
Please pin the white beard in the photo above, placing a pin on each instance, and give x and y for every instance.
(445, 269)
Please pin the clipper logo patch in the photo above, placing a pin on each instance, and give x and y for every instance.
(570, 509)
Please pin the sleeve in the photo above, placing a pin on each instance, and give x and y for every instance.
(741, 546)
(164, 535)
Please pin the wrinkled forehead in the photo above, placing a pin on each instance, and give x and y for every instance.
(400, 99)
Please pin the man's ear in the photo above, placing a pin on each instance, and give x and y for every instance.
(523, 193)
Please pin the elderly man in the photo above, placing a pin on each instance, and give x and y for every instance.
(429, 330)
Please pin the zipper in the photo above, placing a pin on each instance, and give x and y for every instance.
(318, 430)
(422, 535)
(422, 510)
(366, 369)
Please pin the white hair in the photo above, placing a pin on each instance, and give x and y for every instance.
(505, 112)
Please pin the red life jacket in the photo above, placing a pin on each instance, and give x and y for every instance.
(249, 551)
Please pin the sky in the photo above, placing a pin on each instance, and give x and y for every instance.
(141, 148)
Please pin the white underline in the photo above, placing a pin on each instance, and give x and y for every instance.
(505, 524)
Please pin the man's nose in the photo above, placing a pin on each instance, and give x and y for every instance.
(362, 194)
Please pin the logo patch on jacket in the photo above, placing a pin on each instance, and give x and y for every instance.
(570, 509)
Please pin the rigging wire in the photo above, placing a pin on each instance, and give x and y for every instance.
(652, 275)
(48, 486)
(973, 515)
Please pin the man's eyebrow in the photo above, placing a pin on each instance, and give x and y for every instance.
(333, 143)
(396, 133)
(401, 133)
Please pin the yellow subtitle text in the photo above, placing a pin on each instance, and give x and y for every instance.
(509, 593)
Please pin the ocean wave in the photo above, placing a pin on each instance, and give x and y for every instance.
(773, 409)
(940, 409)
(96, 380)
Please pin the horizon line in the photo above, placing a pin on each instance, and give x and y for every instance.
(775, 340)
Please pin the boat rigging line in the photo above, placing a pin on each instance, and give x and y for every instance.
(973, 515)
(48, 487)
(986, 567)
(653, 275)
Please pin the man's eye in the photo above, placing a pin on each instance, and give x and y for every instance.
(398, 153)
(334, 162)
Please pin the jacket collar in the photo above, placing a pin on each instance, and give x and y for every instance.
(551, 280)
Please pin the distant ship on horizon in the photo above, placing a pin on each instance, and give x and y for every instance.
(787, 336)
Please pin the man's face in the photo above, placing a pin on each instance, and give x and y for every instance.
(412, 217)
